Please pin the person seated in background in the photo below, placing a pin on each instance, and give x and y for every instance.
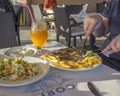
(47, 7)
(49, 4)
(101, 24)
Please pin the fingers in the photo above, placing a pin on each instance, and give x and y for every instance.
(106, 49)
(90, 25)
(111, 47)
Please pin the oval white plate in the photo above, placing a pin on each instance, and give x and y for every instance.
(44, 70)
(78, 69)
(14, 51)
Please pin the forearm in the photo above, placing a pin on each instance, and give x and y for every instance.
(106, 24)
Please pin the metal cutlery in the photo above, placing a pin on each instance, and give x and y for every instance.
(83, 45)
(94, 89)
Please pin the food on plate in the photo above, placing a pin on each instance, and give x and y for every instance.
(17, 69)
(23, 51)
(89, 53)
(71, 58)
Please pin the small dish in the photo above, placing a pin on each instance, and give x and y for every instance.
(21, 51)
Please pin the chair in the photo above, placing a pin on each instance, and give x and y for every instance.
(7, 30)
(73, 9)
(80, 10)
(100, 7)
(76, 9)
(63, 26)
(18, 12)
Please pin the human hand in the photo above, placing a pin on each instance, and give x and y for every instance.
(114, 45)
(92, 24)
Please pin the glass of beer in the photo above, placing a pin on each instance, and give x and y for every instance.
(38, 34)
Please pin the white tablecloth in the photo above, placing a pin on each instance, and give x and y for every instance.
(67, 83)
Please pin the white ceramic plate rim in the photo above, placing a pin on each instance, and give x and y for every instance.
(77, 69)
(32, 80)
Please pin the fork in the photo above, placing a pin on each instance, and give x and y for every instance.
(83, 45)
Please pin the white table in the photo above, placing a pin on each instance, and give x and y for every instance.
(67, 83)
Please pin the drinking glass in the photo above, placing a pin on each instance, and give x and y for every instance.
(38, 34)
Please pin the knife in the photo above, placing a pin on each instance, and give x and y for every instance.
(94, 89)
